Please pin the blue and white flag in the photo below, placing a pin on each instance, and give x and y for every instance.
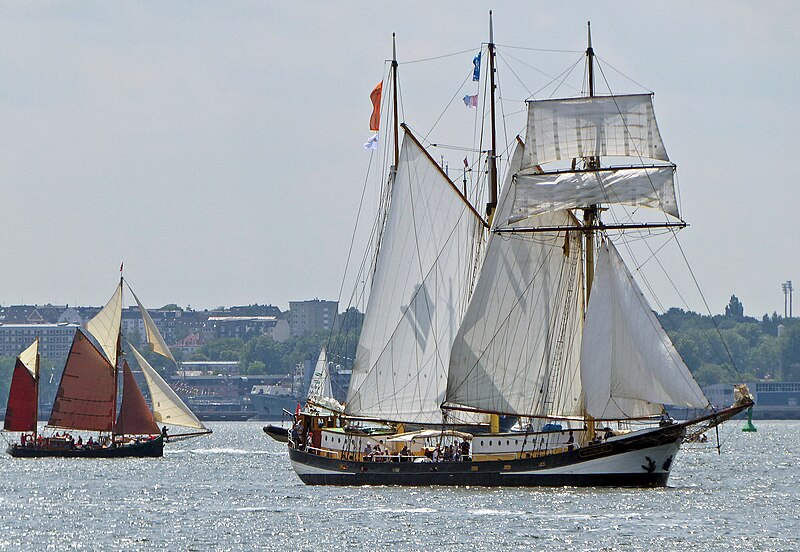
(372, 143)
(476, 73)
(471, 101)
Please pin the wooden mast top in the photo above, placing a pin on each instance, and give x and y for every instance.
(492, 205)
(396, 125)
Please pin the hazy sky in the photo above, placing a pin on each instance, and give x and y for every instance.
(216, 147)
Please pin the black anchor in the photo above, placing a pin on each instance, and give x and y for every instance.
(651, 465)
(667, 463)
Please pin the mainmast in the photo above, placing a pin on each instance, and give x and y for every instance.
(395, 126)
(36, 379)
(116, 364)
(590, 213)
(492, 205)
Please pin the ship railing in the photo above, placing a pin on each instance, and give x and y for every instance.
(328, 453)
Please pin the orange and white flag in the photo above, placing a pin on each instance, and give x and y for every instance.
(375, 118)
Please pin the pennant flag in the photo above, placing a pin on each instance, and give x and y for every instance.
(471, 101)
(375, 118)
(372, 143)
(476, 73)
(120, 266)
(466, 163)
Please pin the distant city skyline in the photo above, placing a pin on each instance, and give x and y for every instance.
(216, 149)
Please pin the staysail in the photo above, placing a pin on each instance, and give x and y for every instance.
(105, 326)
(167, 406)
(320, 391)
(627, 360)
(134, 417)
(85, 396)
(152, 334)
(21, 409)
(517, 350)
(419, 293)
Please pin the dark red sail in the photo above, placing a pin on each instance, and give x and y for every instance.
(134, 417)
(21, 408)
(85, 397)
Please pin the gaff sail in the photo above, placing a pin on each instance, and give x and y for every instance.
(21, 409)
(85, 396)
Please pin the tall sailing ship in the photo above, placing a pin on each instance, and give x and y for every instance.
(527, 314)
(88, 393)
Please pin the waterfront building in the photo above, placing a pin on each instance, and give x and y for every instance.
(311, 316)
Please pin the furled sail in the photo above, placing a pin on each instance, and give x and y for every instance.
(152, 334)
(418, 296)
(617, 126)
(167, 406)
(517, 351)
(85, 396)
(21, 409)
(629, 366)
(105, 325)
(646, 187)
(134, 417)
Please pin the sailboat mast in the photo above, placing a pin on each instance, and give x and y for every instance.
(36, 394)
(590, 214)
(493, 149)
(116, 367)
(396, 125)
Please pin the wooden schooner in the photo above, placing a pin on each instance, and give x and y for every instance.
(527, 314)
(87, 396)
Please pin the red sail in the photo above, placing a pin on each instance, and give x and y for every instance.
(21, 409)
(85, 397)
(134, 417)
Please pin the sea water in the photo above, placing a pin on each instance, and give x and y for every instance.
(235, 490)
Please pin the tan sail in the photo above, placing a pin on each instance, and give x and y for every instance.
(105, 326)
(168, 408)
(154, 337)
(30, 358)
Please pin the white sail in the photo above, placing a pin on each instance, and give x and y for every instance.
(167, 406)
(517, 350)
(105, 326)
(418, 296)
(320, 385)
(617, 126)
(28, 358)
(644, 187)
(154, 337)
(629, 366)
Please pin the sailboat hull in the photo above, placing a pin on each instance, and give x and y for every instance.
(146, 449)
(643, 460)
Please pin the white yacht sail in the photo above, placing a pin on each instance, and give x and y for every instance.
(320, 390)
(418, 296)
(167, 406)
(627, 360)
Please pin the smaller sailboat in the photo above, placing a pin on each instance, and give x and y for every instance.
(86, 399)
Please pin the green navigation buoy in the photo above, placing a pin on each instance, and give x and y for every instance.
(749, 427)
